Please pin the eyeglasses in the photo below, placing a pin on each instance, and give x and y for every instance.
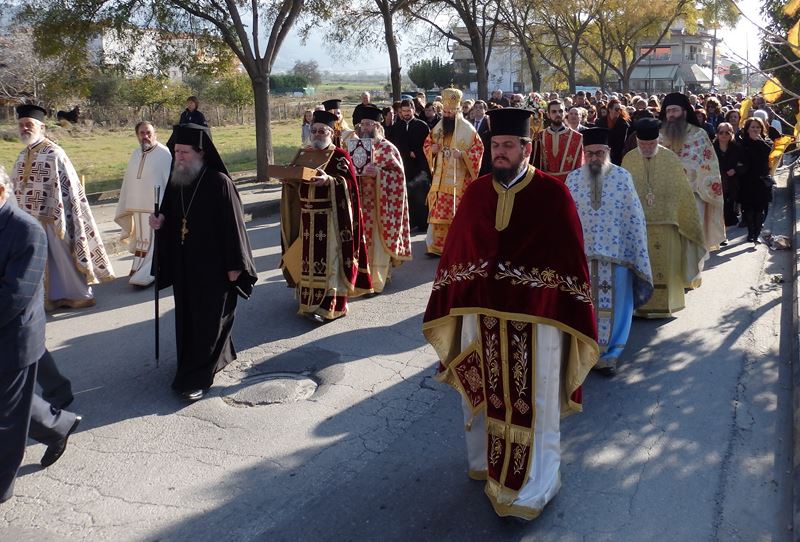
(592, 154)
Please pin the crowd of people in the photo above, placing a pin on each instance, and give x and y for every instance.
(556, 221)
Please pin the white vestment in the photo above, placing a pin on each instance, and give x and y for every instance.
(146, 170)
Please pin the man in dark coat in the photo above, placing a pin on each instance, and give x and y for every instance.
(23, 256)
(204, 254)
(408, 134)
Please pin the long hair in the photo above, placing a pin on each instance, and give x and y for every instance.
(623, 113)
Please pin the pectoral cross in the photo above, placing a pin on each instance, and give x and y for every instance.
(184, 230)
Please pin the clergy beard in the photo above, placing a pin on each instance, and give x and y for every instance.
(448, 125)
(320, 144)
(674, 131)
(146, 146)
(185, 175)
(30, 139)
(506, 175)
(649, 154)
(595, 171)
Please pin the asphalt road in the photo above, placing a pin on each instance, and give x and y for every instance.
(690, 441)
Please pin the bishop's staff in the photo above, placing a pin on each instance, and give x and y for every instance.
(154, 248)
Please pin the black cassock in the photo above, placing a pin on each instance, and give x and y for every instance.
(196, 265)
(410, 137)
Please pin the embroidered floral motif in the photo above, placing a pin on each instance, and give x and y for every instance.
(547, 278)
(460, 272)
(519, 372)
(496, 402)
(491, 355)
(495, 450)
(519, 458)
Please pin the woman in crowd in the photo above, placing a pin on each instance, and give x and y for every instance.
(732, 117)
(305, 129)
(729, 156)
(755, 183)
(618, 121)
(191, 115)
(702, 118)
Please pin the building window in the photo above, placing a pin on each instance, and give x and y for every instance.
(692, 53)
(659, 53)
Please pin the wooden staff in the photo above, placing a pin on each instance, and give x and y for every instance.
(154, 248)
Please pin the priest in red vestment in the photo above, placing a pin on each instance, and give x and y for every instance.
(512, 321)
(559, 147)
(324, 218)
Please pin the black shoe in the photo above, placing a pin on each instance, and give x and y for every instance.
(314, 317)
(724, 243)
(61, 404)
(194, 395)
(55, 451)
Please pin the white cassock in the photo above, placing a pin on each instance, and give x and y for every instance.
(146, 170)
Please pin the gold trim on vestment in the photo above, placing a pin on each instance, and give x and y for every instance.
(505, 198)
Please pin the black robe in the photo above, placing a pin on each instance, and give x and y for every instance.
(197, 268)
(410, 137)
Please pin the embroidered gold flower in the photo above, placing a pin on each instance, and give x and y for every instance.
(495, 450)
(548, 278)
(519, 371)
(519, 458)
(460, 272)
(492, 358)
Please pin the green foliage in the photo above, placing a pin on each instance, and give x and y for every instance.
(105, 88)
(778, 23)
(309, 70)
(153, 91)
(734, 75)
(430, 73)
(233, 90)
(287, 83)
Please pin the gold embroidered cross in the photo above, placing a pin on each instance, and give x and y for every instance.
(184, 230)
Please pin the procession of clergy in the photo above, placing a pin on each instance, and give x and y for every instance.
(544, 261)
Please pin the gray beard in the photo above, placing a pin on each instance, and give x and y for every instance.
(184, 176)
(595, 172)
(30, 139)
(146, 147)
(650, 155)
(674, 131)
(320, 144)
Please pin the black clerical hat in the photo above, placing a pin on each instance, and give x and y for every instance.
(370, 112)
(510, 121)
(198, 137)
(647, 129)
(331, 104)
(31, 111)
(323, 117)
(595, 136)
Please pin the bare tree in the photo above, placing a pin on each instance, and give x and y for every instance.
(253, 30)
(478, 18)
(23, 76)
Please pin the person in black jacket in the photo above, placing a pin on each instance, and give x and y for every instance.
(730, 157)
(755, 187)
(191, 115)
(618, 121)
(408, 134)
